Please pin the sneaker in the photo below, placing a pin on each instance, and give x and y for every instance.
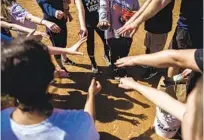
(144, 66)
(151, 72)
(68, 62)
(95, 70)
(107, 60)
(178, 78)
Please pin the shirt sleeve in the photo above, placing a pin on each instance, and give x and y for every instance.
(18, 13)
(199, 58)
(103, 10)
(46, 7)
(136, 5)
(92, 133)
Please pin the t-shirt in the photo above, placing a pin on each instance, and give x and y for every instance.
(5, 39)
(18, 16)
(196, 75)
(91, 12)
(61, 125)
(162, 21)
(191, 19)
(199, 58)
(107, 12)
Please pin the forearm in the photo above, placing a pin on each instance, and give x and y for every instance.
(152, 9)
(56, 50)
(15, 27)
(35, 19)
(161, 59)
(168, 58)
(81, 13)
(138, 13)
(162, 99)
(90, 106)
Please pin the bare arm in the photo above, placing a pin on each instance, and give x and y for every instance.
(138, 13)
(52, 26)
(159, 98)
(15, 27)
(163, 59)
(95, 87)
(72, 50)
(81, 13)
(19, 28)
(153, 8)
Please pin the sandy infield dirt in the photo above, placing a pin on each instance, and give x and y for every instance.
(121, 115)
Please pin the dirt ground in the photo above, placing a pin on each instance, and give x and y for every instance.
(121, 114)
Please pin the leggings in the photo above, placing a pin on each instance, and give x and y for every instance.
(58, 39)
(90, 43)
(119, 47)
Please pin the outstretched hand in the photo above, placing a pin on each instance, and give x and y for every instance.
(52, 26)
(38, 35)
(125, 61)
(128, 28)
(74, 49)
(126, 83)
(95, 87)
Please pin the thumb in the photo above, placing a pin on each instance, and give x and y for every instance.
(98, 84)
(31, 33)
(93, 82)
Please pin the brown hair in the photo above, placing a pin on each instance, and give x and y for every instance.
(27, 70)
(198, 116)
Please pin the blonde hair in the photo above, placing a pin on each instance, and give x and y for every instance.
(4, 8)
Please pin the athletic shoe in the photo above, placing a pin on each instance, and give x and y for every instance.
(151, 72)
(107, 60)
(178, 78)
(95, 70)
(68, 62)
(144, 66)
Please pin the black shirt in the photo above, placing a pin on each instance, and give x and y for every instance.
(196, 75)
(191, 19)
(162, 21)
(91, 12)
(199, 58)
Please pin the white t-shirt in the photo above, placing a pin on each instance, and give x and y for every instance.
(61, 125)
(18, 16)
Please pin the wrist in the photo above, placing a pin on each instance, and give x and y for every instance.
(43, 22)
(134, 85)
(91, 95)
(83, 28)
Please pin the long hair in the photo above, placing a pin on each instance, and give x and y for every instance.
(5, 4)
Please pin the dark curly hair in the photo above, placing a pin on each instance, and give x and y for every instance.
(26, 71)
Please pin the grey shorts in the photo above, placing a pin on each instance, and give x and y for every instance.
(155, 42)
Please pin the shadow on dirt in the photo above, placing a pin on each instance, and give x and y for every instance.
(111, 104)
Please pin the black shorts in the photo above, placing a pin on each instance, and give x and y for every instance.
(181, 40)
